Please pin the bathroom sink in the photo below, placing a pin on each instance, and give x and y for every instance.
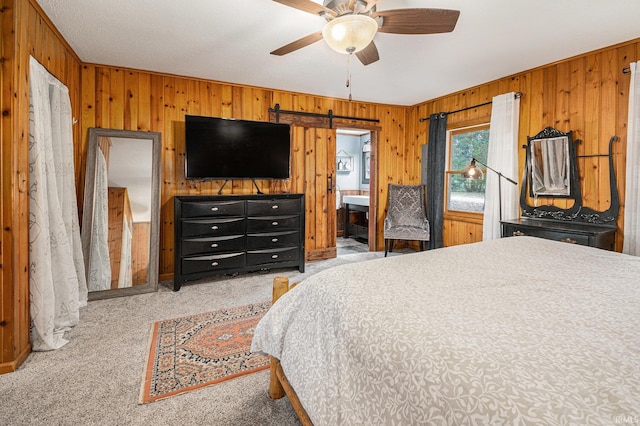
(360, 200)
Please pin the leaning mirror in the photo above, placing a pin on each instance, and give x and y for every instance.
(121, 214)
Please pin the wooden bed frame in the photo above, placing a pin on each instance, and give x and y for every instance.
(279, 386)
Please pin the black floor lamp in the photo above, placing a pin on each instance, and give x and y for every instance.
(473, 172)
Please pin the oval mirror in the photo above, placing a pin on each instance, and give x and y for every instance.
(121, 214)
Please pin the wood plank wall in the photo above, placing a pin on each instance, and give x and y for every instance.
(587, 94)
(140, 255)
(119, 220)
(129, 99)
(24, 31)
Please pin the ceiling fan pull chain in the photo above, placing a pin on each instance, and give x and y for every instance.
(348, 70)
(349, 74)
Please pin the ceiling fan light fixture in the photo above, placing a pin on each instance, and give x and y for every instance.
(350, 33)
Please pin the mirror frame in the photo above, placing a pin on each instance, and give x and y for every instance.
(551, 133)
(366, 168)
(89, 202)
(577, 212)
(575, 193)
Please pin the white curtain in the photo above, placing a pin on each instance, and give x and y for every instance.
(632, 193)
(503, 157)
(551, 176)
(99, 259)
(555, 157)
(56, 272)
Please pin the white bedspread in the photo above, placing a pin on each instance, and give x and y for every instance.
(515, 331)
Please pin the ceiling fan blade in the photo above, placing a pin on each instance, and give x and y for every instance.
(369, 54)
(417, 21)
(307, 6)
(298, 44)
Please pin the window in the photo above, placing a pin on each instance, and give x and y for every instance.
(466, 195)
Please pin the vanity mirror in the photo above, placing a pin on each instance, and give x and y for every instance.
(121, 214)
(550, 166)
(552, 171)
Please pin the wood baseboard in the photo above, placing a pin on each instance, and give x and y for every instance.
(320, 254)
(11, 366)
(165, 277)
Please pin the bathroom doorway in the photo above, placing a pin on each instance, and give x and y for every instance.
(353, 190)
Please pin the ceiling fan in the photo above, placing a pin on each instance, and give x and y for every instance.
(352, 24)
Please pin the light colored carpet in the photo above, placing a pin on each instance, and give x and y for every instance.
(95, 379)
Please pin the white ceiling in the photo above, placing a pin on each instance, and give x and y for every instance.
(230, 41)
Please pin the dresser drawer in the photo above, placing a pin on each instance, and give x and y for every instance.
(213, 227)
(272, 207)
(549, 235)
(192, 246)
(212, 208)
(273, 239)
(272, 223)
(259, 257)
(577, 233)
(218, 262)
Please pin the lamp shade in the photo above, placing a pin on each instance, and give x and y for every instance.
(472, 171)
(350, 33)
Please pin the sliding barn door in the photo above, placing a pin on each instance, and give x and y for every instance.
(313, 172)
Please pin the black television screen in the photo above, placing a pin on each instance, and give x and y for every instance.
(220, 148)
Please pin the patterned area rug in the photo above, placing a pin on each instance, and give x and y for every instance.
(201, 350)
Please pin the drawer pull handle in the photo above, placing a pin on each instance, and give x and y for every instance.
(275, 256)
(214, 227)
(214, 245)
(518, 233)
(274, 223)
(275, 206)
(568, 240)
(274, 240)
(214, 263)
(214, 209)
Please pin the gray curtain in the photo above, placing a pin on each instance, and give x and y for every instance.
(436, 158)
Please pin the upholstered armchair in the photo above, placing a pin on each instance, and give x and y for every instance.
(406, 216)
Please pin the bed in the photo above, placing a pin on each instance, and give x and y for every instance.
(512, 331)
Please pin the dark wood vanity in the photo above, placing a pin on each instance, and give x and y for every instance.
(576, 224)
(575, 233)
(355, 222)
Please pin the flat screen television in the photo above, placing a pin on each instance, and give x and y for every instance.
(220, 148)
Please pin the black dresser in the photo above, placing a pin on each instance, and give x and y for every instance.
(225, 234)
(570, 232)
